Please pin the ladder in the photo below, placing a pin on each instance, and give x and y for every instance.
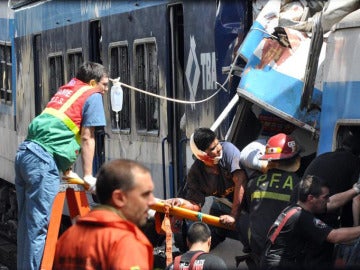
(78, 206)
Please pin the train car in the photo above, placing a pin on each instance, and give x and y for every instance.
(168, 55)
(8, 131)
(302, 72)
(179, 65)
(166, 48)
(341, 84)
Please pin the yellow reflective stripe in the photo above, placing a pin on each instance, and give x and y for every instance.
(66, 120)
(74, 97)
(270, 195)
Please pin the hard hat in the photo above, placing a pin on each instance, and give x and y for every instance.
(280, 146)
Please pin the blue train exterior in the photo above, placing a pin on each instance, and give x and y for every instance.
(177, 49)
(173, 49)
(8, 208)
(341, 86)
(165, 47)
(269, 85)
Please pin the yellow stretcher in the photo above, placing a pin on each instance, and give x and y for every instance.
(159, 206)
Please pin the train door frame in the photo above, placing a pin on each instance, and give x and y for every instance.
(38, 74)
(95, 55)
(176, 133)
(95, 41)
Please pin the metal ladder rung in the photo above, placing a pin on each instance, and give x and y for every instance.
(78, 206)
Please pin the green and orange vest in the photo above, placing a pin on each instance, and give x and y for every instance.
(57, 128)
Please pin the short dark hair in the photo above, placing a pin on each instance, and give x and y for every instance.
(116, 174)
(203, 137)
(198, 232)
(91, 71)
(310, 185)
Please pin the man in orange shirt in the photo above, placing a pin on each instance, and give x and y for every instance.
(108, 237)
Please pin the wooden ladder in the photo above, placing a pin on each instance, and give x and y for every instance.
(78, 206)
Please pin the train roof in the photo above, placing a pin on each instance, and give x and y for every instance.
(44, 15)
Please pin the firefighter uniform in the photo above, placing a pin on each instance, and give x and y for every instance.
(267, 195)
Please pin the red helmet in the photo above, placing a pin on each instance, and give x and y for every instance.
(280, 146)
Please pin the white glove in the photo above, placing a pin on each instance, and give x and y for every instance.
(91, 181)
(70, 175)
(251, 153)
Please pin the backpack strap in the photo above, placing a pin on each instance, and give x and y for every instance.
(194, 257)
(285, 217)
(177, 262)
(192, 261)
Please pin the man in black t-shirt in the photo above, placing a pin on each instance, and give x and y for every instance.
(296, 227)
(218, 173)
(340, 169)
(198, 256)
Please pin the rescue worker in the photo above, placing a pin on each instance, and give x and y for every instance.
(340, 169)
(109, 237)
(55, 139)
(198, 256)
(296, 227)
(269, 193)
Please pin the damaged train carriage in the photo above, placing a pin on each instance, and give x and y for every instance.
(166, 48)
(291, 54)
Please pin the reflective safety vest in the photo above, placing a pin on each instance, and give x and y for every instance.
(57, 128)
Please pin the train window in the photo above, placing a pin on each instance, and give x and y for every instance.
(146, 78)
(119, 67)
(95, 42)
(5, 74)
(348, 135)
(74, 61)
(56, 76)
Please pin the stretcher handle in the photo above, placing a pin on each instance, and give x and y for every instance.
(76, 181)
(159, 206)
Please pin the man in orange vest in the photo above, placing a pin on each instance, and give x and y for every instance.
(54, 140)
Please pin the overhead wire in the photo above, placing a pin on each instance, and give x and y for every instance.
(221, 87)
(167, 98)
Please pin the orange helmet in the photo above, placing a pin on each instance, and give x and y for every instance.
(280, 146)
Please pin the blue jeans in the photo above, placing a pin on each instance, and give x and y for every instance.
(348, 253)
(37, 182)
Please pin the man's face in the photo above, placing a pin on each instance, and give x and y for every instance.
(104, 84)
(213, 154)
(214, 150)
(320, 202)
(138, 199)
